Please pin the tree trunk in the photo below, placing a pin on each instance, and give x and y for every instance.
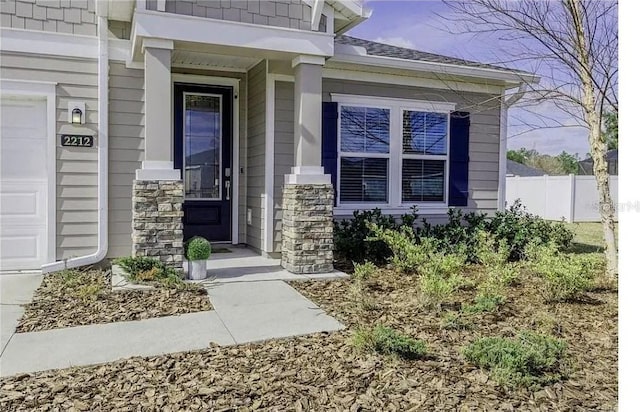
(596, 143)
(598, 151)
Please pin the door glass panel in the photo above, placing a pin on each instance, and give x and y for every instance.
(202, 141)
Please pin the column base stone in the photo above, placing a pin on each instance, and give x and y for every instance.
(307, 228)
(157, 220)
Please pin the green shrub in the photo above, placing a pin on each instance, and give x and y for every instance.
(407, 254)
(530, 359)
(352, 238)
(511, 230)
(198, 248)
(363, 271)
(518, 227)
(435, 289)
(489, 251)
(564, 276)
(490, 296)
(141, 269)
(455, 321)
(387, 341)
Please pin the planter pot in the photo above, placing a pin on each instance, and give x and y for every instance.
(197, 269)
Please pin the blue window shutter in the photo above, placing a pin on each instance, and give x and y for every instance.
(459, 159)
(330, 140)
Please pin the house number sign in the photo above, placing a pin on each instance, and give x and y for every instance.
(76, 140)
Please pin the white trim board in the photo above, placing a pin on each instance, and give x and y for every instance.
(235, 162)
(269, 159)
(247, 36)
(21, 88)
(60, 44)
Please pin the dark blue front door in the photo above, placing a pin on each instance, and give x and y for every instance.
(202, 151)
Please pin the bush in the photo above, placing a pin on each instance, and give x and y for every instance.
(351, 238)
(455, 321)
(435, 290)
(141, 269)
(198, 248)
(387, 341)
(518, 228)
(363, 271)
(490, 296)
(510, 231)
(530, 359)
(564, 276)
(407, 254)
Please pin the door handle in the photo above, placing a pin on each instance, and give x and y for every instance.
(227, 185)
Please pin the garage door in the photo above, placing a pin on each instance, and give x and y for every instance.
(23, 183)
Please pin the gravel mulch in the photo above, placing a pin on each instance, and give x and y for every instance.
(325, 372)
(77, 298)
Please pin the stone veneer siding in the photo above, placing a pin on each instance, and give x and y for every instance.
(307, 228)
(157, 220)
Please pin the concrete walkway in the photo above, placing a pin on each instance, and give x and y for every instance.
(245, 311)
(15, 290)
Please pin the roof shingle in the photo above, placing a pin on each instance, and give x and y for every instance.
(387, 50)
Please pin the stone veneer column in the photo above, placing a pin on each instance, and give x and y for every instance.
(158, 189)
(307, 228)
(157, 220)
(307, 223)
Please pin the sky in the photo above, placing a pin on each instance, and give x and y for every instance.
(418, 24)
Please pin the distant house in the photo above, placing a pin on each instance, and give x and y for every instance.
(518, 169)
(585, 167)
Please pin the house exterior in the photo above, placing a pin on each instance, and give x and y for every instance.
(519, 169)
(130, 126)
(585, 167)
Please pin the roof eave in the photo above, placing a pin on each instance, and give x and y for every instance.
(509, 78)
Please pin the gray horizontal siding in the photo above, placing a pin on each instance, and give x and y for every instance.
(126, 151)
(283, 158)
(293, 14)
(74, 17)
(256, 153)
(76, 168)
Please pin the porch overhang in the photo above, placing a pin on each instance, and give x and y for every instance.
(226, 37)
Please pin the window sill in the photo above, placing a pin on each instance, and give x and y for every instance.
(347, 210)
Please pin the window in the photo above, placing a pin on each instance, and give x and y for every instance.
(424, 156)
(364, 154)
(392, 152)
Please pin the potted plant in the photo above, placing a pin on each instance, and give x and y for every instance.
(198, 251)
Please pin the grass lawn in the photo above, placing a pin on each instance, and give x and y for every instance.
(328, 372)
(588, 237)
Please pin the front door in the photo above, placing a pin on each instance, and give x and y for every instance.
(203, 154)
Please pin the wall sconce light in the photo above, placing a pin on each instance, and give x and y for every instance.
(77, 113)
(76, 116)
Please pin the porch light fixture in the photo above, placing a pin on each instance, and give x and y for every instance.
(76, 116)
(77, 113)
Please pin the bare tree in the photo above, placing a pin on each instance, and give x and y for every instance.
(574, 44)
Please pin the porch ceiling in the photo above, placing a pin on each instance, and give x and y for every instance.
(218, 61)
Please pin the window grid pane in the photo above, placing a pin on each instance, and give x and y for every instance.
(424, 133)
(423, 180)
(364, 180)
(364, 129)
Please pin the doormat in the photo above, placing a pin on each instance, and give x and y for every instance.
(217, 249)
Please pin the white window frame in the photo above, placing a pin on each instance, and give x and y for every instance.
(396, 108)
(444, 157)
(365, 155)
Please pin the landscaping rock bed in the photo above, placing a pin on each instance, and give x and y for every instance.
(74, 298)
(326, 372)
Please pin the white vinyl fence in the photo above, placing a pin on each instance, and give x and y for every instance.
(574, 198)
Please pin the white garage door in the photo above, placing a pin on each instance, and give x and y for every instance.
(23, 183)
